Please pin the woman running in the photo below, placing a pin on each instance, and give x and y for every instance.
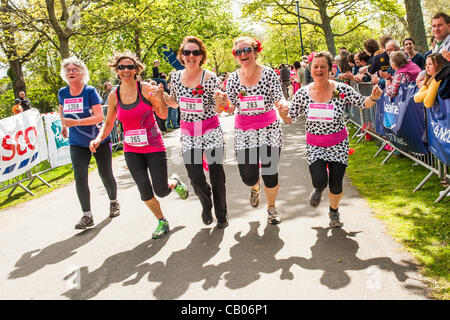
(81, 111)
(323, 102)
(201, 135)
(133, 103)
(255, 91)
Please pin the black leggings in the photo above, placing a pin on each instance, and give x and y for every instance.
(140, 164)
(193, 162)
(320, 177)
(81, 157)
(248, 163)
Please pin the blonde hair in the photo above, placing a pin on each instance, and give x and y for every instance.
(113, 61)
(76, 62)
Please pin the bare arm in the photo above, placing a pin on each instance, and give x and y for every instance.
(109, 122)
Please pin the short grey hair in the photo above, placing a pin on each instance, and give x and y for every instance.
(77, 62)
(395, 43)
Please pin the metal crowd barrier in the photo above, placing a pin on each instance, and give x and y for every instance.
(364, 119)
(44, 166)
(116, 132)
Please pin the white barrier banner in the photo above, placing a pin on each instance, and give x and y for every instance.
(23, 144)
(58, 146)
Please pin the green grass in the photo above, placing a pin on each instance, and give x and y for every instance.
(413, 219)
(57, 178)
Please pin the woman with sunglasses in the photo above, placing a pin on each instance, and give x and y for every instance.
(133, 103)
(323, 104)
(80, 110)
(255, 91)
(192, 90)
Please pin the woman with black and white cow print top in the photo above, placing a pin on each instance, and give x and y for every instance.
(255, 91)
(192, 90)
(322, 103)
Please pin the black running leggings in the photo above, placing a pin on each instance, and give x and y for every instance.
(194, 166)
(334, 178)
(248, 163)
(81, 156)
(140, 164)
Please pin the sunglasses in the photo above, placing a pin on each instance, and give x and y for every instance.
(187, 53)
(126, 66)
(239, 52)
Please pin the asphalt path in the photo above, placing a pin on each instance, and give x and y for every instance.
(42, 256)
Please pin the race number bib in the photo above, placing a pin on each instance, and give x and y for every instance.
(252, 103)
(191, 105)
(136, 138)
(73, 105)
(321, 112)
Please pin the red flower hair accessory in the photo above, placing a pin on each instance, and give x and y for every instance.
(258, 46)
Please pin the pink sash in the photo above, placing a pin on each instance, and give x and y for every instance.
(199, 128)
(255, 122)
(326, 140)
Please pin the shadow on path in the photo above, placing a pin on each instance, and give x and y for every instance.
(186, 266)
(118, 268)
(335, 253)
(35, 260)
(252, 255)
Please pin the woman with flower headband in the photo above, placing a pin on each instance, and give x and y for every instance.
(192, 90)
(322, 103)
(133, 102)
(255, 91)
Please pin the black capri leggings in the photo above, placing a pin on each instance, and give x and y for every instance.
(320, 177)
(140, 164)
(81, 156)
(248, 163)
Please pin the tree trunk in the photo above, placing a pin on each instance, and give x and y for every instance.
(17, 79)
(137, 42)
(326, 27)
(64, 47)
(416, 27)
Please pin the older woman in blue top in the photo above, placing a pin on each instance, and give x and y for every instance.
(81, 115)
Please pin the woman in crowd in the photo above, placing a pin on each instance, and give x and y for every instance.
(255, 91)
(429, 89)
(192, 90)
(133, 103)
(322, 103)
(405, 71)
(81, 111)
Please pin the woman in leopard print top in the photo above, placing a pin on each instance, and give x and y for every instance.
(322, 103)
(192, 90)
(254, 91)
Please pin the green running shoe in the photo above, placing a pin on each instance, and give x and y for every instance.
(161, 229)
(180, 188)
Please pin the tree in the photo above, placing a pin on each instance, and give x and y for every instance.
(318, 13)
(416, 27)
(17, 52)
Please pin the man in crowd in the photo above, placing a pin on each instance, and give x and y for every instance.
(381, 61)
(441, 25)
(285, 76)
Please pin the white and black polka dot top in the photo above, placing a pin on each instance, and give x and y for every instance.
(300, 107)
(269, 87)
(212, 139)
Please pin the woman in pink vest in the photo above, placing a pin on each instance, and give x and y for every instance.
(255, 91)
(133, 103)
(323, 104)
(192, 91)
